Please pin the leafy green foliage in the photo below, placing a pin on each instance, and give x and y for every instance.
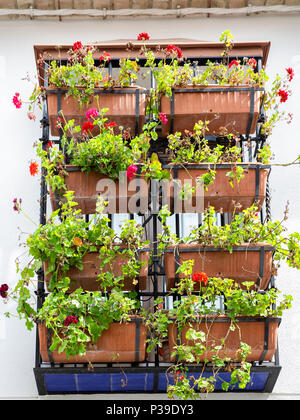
(94, 312)
(244, 228)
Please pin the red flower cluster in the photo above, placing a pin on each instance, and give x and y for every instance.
(59, 122)
(105, 57)
(110, 125)
(233, 62)
(252, 62)
(173, 49)
(179, 376)
(143, 36)
(49, 145)
(3, 290)
(163, 118)
(290, 73)
(70, 320)
(283, 95)
(34, 168)
(200, 278)
(131, 171)
(16, 101)
(87, 126)
(76, 46)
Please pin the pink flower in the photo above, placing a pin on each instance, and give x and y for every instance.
(233, 62)
(105, 57)
(131, 171)
(290, 118)
(31, 116)
(163, 118)
(17, 204)
(92, 112)
(16, 101)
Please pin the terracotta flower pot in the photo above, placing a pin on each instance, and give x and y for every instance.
(127, 196)
(259, 333)
(248, 262)
(220, 194)
(126, 106)
(87, 278)
(235, 108)
(120, 343)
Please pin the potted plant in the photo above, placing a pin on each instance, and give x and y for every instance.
(213, 176)
(246, 249)
(89, 254)
(105, 164)
(89, 328)
(221, 324)
(229, 94)
(85, 317)
(225, 310)
(80, 84)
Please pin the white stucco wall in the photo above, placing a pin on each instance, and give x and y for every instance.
(17, 346)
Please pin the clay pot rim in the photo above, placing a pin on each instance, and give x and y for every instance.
(133, 319)
(224, 318)
(245, 87)
(122, 246)
(225, 165)
(206, 247)
(75, 168)
(54, 89)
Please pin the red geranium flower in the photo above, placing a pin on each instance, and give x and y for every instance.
(173, 49)
(143, 36)
(49, 145)
(252, 62)
(110, 125)
(76, 46)
(59, 122)
(233, 62)
(87, 126)
(105, 56)
(290, 73)
(179, 376)
(3, 290)
(200, 278)
(70, 320)
(283, 95)
(33, 168)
